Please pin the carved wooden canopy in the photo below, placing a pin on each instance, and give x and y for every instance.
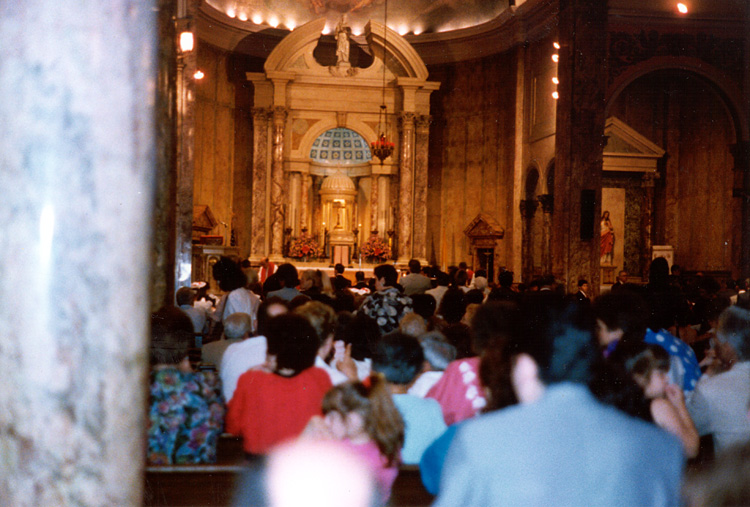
(484, 229)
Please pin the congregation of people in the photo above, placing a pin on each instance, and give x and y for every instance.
(501, 393)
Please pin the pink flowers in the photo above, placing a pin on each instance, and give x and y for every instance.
(304, 246)
(376, 247)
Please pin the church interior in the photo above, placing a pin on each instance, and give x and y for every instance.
(155, 136)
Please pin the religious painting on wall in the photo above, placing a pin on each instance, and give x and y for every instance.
(612, 228)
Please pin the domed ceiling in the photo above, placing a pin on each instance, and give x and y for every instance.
(404, 16)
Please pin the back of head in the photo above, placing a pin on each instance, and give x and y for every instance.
(415, 266)
(493, 322)
(475, 296)
(443, 279)
(623, 310)
(372, 400)
(185, 296)
(362, 332)
(734, 329)
(388, 272)
(269, 308)
(559, 337)
(505, 279)
(237, 325)
(423, 304)
(413, 324)
(359, 276)
(171, 335)
(398, 357)
(437, 351)
(658, 274)
(640, 359)
(453, 305)
(293, 341)
(460, 278)
(287, 273)
(229, 274)
(320, 316)
(338, 268)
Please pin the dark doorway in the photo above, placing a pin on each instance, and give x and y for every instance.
(486, 258)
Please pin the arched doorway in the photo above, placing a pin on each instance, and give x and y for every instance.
(691, 205)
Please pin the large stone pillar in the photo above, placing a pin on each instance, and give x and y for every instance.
(374, 184)
(77, 163)
(305, 202)
(259, 245)
(647, 222)
(528, 209)
(185, 146)
(406, 188)
(579, 140)
(277, 183)
(547, 202)
(420, 187)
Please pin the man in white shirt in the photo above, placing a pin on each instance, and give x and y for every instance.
(719, 405)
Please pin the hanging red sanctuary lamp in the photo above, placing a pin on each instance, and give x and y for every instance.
(382, 148)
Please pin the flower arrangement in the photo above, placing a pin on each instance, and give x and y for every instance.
(304, 246)
(376, 247)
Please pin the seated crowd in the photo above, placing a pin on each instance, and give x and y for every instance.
(501, 394)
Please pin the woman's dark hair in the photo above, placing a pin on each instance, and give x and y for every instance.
(288, 275)
(474, 296)
(640, 359)
(229, 274)
(399, 357)
(623, 310)
(453, 305)
(423, 304)
(459, 335)
(460, 279)
(558, 335)
(388, 272)
(363, 333)
(171, 335)
(293, 341)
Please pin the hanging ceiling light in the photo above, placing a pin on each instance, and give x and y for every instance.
(382, 148)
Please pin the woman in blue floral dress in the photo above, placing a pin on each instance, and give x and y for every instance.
(186, 410)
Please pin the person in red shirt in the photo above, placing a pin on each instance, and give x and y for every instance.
(274, 403)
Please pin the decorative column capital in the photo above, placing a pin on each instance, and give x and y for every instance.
(423, 122)
(260, 114)
(547, 201)
(406, 120)
(528, 207)
(280, 114)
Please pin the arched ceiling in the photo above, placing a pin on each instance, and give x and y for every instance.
(404, 16)
(440, 30)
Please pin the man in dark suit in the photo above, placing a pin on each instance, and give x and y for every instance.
(582, 296)
(559, 445)
(622, 279)
(340, 282)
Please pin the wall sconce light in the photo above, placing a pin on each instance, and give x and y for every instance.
(186, 42)
(555, 57)
(198, 74)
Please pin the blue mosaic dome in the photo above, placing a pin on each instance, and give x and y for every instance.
(340, 146)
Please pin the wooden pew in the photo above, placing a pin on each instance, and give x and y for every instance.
(213, 485)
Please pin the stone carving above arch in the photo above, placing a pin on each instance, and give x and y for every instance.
(294, 53)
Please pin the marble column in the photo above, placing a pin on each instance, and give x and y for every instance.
(547, 202)
(528, 209)
(741, 154)
(304, 219)
(374, 184)
(293, 219)
(185, 174)
(647, 222)
(259, 245)
(277, 182)
(78, 157)
(579, 140)
(422, 140)
(405, 215)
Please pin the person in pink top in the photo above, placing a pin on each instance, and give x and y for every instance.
(459, 391)
(362, 416)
